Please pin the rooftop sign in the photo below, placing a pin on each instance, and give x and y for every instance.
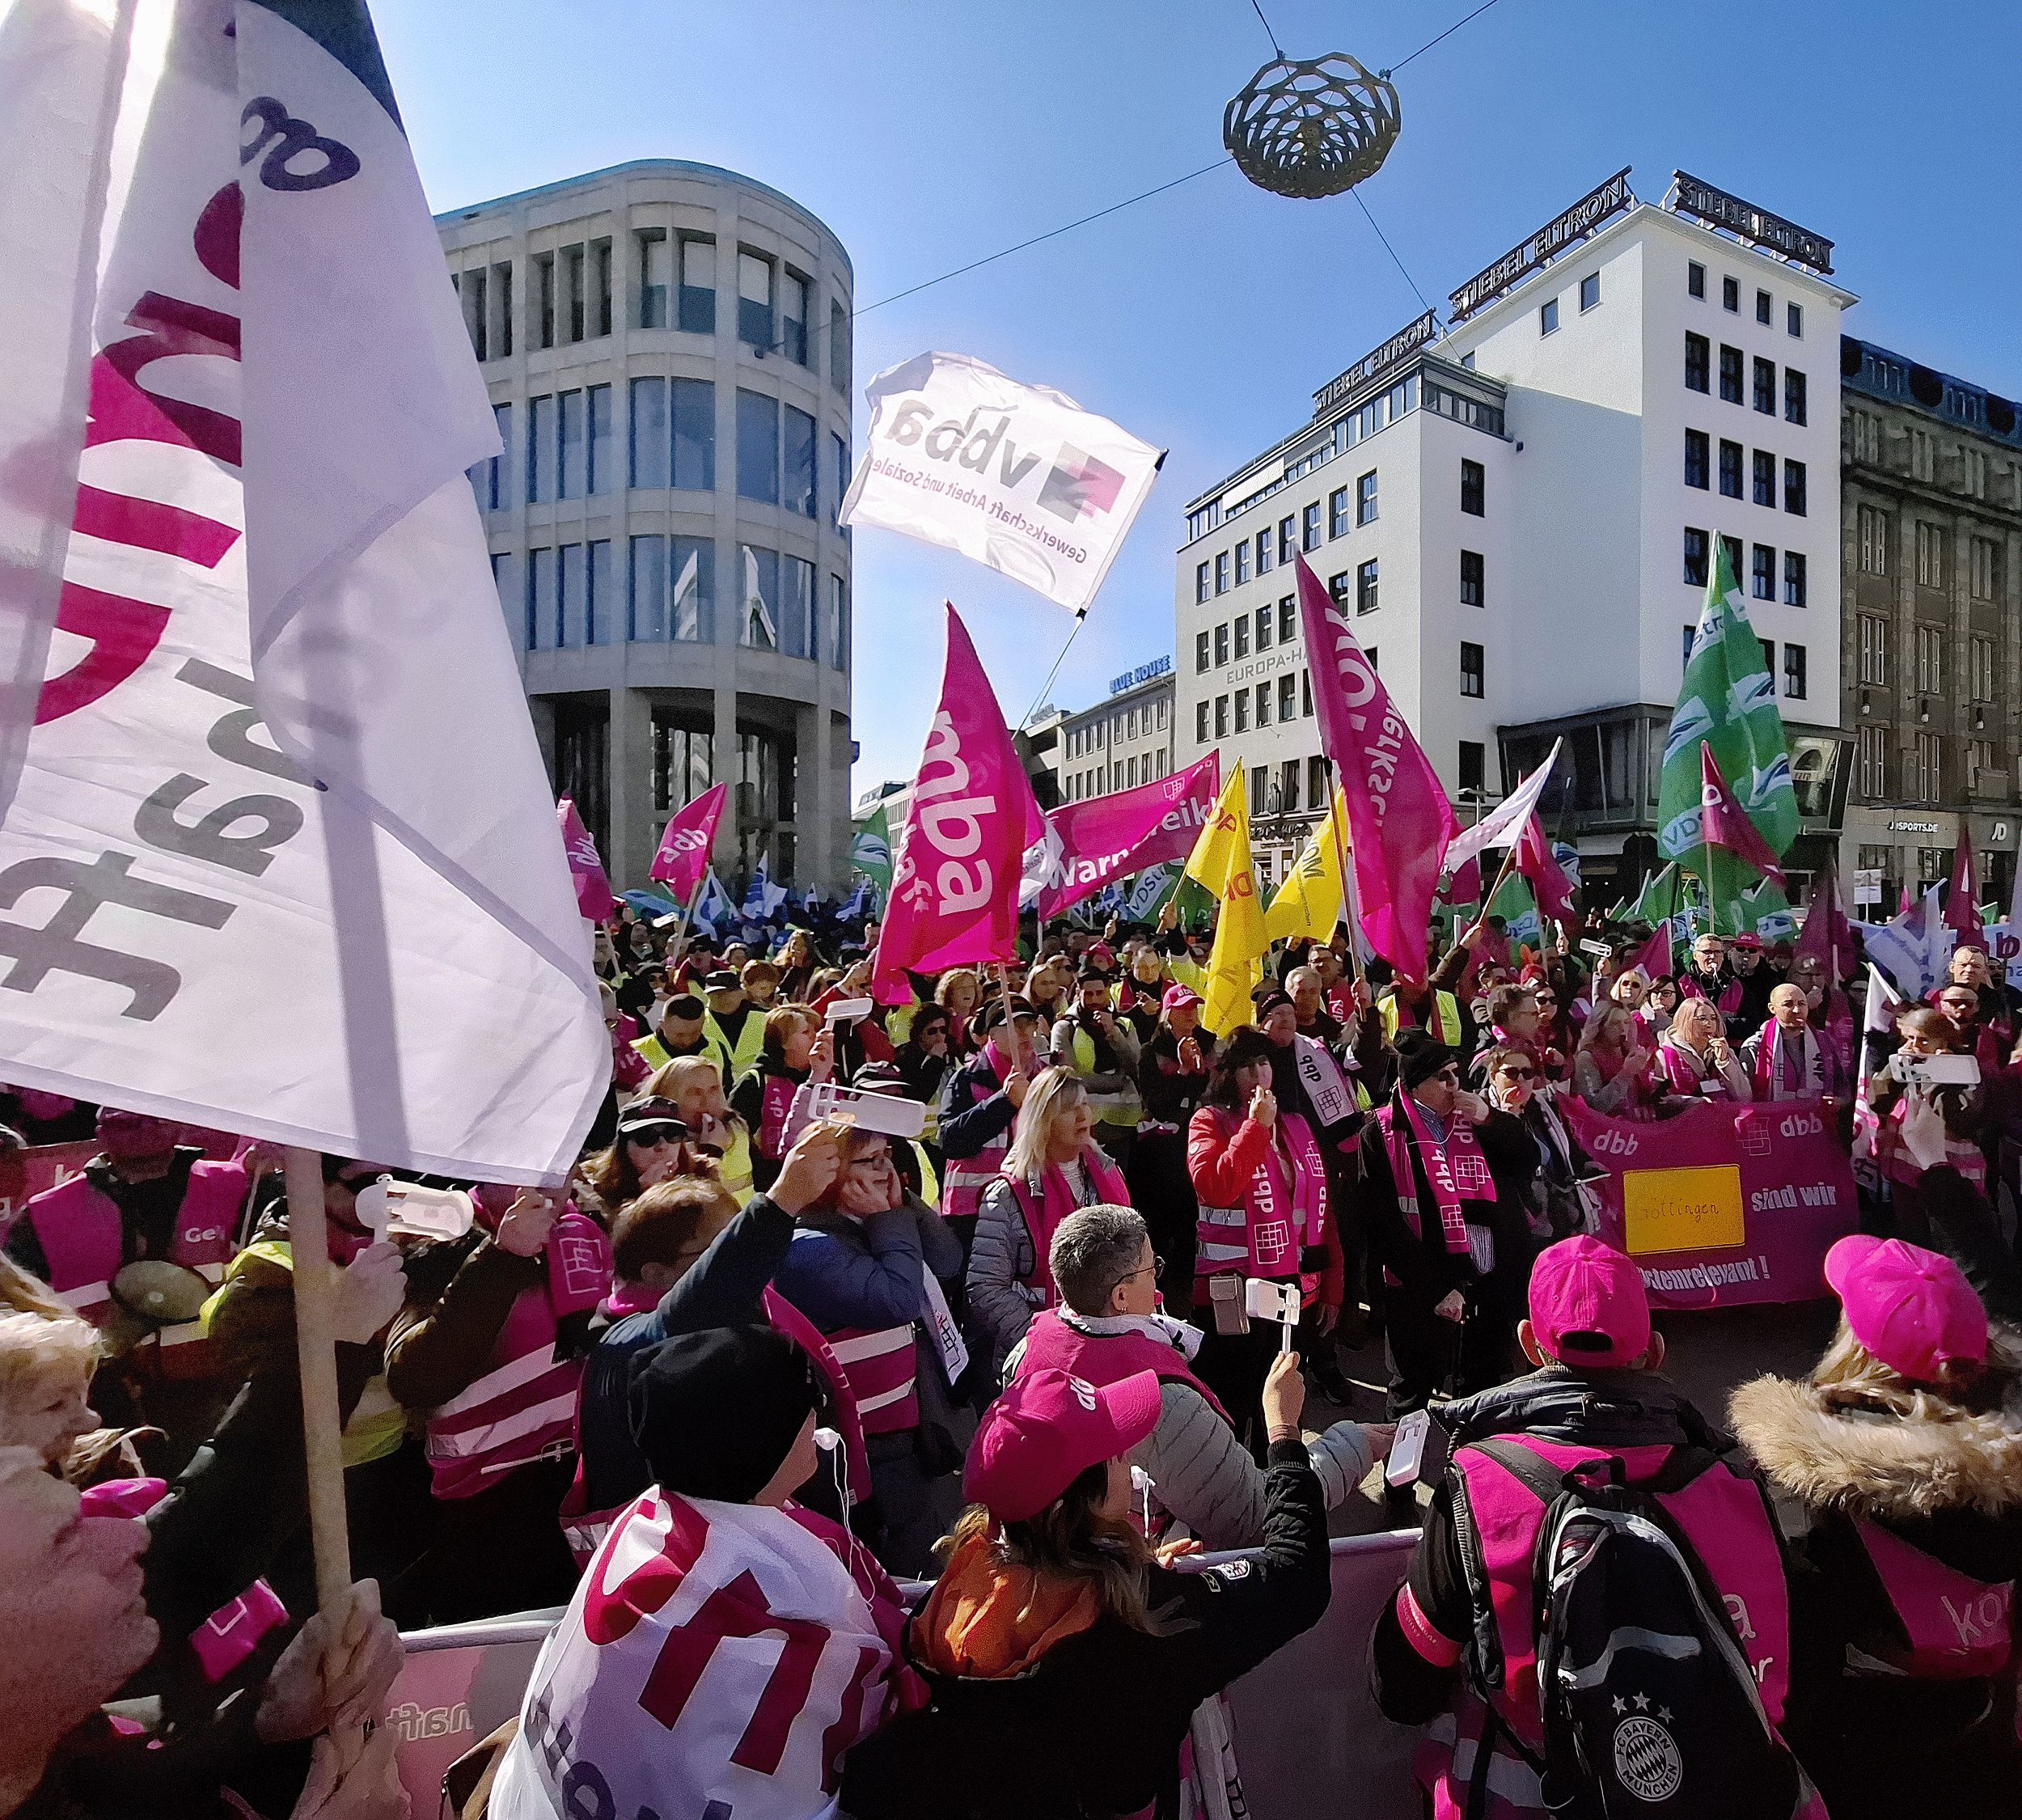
(1690, 196)
(1144, 673)
(1581, 220)
(1407, 340)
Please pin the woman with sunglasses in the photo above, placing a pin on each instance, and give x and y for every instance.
(1557, 1202)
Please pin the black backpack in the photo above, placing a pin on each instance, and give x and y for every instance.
(1650, 1708)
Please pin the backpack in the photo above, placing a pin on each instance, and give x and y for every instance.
(1650, 1707)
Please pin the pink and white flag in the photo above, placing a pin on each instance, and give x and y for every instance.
(955, 887)
(684, 848)
(1095, 842)
(1962, 901)
(1398, 815)
(1549, 883)
(586, 866)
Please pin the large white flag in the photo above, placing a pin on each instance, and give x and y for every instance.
(283, 859)
(1017, 476)
(1501, 826)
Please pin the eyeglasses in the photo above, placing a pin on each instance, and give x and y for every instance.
(1157, 1265)
(1451, 1073)
(870, 1159)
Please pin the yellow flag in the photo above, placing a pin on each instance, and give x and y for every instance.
(1308, 902)
(1221, 862)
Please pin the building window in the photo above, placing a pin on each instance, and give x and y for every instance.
(1221, 716)
(694, 402)
(1243, 710)
(682, 760)
(802, 441)
(574, 455)
(1872, 779)
(694, 305)
(1288, 540)
(1769, 658)
(1473, 591)
(1986, 555)
(1316, 779)
(1730, 374)
(1794, 671)
(575, 598)
(838, 451)
(1201, 587)
(753, 299)
(1763, 585)
(1730, 469)
(1691, 633)
(1263, 552)
(1338, 588)
(1874, 539)
(759, 612)
(1589, 291)
(543, 300)
(1765, 478)
(1765, 308)
(1470, 669)
(1309, 527)
(1980, 669)
(1473, 488)
(1242, 562)
(1221, 644)
(470, 288)
(600, 287)
(1766, 385)
(649, 410)
(758, 447)
(1200, 721)
(793, 294)
(650, 251)
(1793, 395)
(602, 462)
(1731, 295)
(1365, 587)
(1548, 316)
(1263, 705)
(646, 585)
(1930, 660)
(1698, 354)
(543, 457)
(1472, 767)
(1698, 459)
(691, 601)
(1874, 649)
(1980, 759)
(1306, 689)
(1695, 278)
(1287, 698)
(1200, 654)
(1338, 513)
(837, 638)
(1794, 579)
(1365, 498)
(1221, 572)
(797, 608)
(1259, 788)
(1731, 548)
(1794, 488)
(1288, 788)
(495, 474)
(1930, 554)
(1695, 553)
(1288, 616)
(1794, 318)
(543, 608)
(1242, 645)
(1265, 615)
(1928, 783)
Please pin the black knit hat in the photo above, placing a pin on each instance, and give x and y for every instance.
(1420, 1055)
(717, 1412)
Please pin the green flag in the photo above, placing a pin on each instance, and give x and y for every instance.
(1728, 701)
(870, 852)
(1515, 904)
(1659, 900)
(1766, 913)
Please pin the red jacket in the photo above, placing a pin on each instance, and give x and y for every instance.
(1221, 1165)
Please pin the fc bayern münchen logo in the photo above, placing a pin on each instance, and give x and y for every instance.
(1647, 1759)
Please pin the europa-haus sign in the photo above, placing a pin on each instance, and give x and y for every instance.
(1018, 477)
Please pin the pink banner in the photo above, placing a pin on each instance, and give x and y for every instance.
(593, 888)
(1722, 1203)
(1090, 844)
(955, 887)
(1399, 819)
(684, 857)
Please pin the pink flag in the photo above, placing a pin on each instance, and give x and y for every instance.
(1723, 823)
(1091, 844)
(684, 857)
(1654, 956)
(1464, 885)
(1400, 820)
(592, 889)
(1962, 902)
(1537, 863)
(1827, 934)
(955, 885)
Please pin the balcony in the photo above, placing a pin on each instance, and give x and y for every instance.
(1991, 787)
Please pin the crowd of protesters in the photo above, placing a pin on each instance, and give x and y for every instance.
(1035, 1331)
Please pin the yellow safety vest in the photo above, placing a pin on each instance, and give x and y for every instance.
(655, 1054)
(1122, 1111)
(744, 1053)
(929, 1177)
(1446, 1017)
(736, 1165)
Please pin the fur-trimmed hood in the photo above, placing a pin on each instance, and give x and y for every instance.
(1881, 1464)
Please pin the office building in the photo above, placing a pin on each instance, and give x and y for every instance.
(1123, 741)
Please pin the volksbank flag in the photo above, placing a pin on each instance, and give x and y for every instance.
(1019, 477)
(283, 858)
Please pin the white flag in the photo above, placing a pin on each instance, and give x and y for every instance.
(1018, 477)
(283, 859)
(1500, 826)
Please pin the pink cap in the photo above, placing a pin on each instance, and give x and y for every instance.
(1588, 1304)
(1046, 1430)
(1176, 995)
(1913, 1308)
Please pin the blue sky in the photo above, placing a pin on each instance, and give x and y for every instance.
(929, 132)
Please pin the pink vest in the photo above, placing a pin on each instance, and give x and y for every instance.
(628, 1066)
(79, 1229)
(965, 1178)
(521, 1408)
(1723, 1517)
(1044, 1212)
(1958, 1628)
(779, 1100)
(1284, 1210)
(1685, 1078)
(1104, 1358)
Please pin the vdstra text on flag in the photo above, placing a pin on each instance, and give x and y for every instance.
(283, 858)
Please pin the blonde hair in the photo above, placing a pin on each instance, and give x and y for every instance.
(1054, 1091)
(1849, 1376)
(1688, 1012)
(36, 1350)
(26, 1293)
(1602, 1019)
(1071, 1540)
(944, 989)
(667, 1080)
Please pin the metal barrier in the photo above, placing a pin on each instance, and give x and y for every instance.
(1312, 1745)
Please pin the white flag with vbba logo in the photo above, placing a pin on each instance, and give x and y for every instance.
(1018, 477)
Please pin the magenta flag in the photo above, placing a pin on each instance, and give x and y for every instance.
(592, 889)
(1465, 885)
(684, 857)
(1723, 823)
(1398, 816)
(1548, 881)
(955, 883)
(1827, 932)
(1962, 902)
(1654, 956)
(1090, 844)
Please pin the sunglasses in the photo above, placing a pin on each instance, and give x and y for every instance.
(1517, 1074)
(650, 1135)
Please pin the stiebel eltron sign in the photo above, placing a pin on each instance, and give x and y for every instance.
(1019, 477)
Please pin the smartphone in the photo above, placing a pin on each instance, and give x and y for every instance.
(1419, 1453)
(848, 1011)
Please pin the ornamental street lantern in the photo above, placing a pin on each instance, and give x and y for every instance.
(1312, 128)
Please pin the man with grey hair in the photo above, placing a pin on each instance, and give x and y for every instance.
(1109, 1326)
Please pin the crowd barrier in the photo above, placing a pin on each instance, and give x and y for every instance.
(1312, 1745)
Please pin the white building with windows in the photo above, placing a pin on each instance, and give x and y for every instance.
(1121, 742)
(1521, 509)
(668, 349)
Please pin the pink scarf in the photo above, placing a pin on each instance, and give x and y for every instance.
(1055, 1202)
(1456, 1170)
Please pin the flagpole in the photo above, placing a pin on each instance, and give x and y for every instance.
(688, 915)
(1488, 897)
(1341, 862)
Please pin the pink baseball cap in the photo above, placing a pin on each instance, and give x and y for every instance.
(1588, 1304)
(1913, 1308)
(1048, 1428)
(1176, 995)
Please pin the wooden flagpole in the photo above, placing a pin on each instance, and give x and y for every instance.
(315, 1279)
(1350, 912)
